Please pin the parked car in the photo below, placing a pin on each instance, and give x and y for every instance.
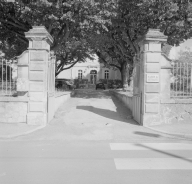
(100, 86)
(64, 85)
(70, 85)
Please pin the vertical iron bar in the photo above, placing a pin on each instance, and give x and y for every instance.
(2, 75)
(187, 78)
(180, 79)
(172, 84)
(174, 81)
(6, 75)
(190, 77)
(10, 78)
(183, 79)
(176, 77)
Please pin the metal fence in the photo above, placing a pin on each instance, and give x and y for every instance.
(181, 80)
(7, 78)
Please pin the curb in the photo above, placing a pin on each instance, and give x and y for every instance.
(178, 135)
(21, 134)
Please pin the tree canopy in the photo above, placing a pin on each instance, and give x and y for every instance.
(119, 41)
(110, 28)
(67, 22)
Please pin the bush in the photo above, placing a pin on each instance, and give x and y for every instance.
(80, 83)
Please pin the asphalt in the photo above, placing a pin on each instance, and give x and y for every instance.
(183, 130)
(95, 162)
(94, 106)
(92, 139)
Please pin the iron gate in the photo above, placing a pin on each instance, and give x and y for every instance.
(51, 88)
(136, 108)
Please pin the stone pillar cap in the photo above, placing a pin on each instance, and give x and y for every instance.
(39, 33)
(155, 35)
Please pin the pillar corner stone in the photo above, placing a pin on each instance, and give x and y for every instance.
(37, 36)
(155, 35)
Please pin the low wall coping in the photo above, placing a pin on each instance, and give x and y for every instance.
(14, 99)
(62, 94)
(176, 101)
(123, 94)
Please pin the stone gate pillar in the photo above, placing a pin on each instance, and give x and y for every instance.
(150, 77)
(38, 59)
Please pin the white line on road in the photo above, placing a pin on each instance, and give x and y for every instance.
(149, 146)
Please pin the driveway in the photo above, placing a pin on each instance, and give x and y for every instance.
(94, 115)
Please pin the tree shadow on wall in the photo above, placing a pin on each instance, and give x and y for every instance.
(123, 111)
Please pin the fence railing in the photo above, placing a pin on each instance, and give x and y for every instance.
(181, 80)
(7, 78)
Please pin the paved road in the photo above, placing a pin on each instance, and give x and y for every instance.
(93, 141)
(93, 162)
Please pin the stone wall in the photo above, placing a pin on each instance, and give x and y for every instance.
(171, 111)
(61, 98)
(126, 99)
(176, 111)
(15, 109)
(35, 102)
(151, 86)
(13, 112)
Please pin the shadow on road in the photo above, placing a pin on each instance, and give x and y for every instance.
(166, 153)
(107, 114)
(122, 113)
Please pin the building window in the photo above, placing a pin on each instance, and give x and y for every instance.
(80, 74)
(106, 74)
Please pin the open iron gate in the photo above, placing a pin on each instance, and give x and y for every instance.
(136, 111)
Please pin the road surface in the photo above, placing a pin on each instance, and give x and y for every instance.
(92, 140)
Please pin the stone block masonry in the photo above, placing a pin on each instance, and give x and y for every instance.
(39, 62)
(176, 113)
(33, 82)
(151, 103)
(150, 72)
(13, 112)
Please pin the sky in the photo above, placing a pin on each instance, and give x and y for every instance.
(174, 53)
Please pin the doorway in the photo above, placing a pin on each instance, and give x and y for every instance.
(93, 76)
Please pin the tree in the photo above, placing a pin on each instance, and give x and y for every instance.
(166, 48)
(66, 20)
(110, 58)
(113, 52)
(133, 18)
(117, 26)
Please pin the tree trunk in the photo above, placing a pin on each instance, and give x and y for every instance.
(124, 75)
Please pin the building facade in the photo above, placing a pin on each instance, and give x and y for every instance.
(91, 70)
